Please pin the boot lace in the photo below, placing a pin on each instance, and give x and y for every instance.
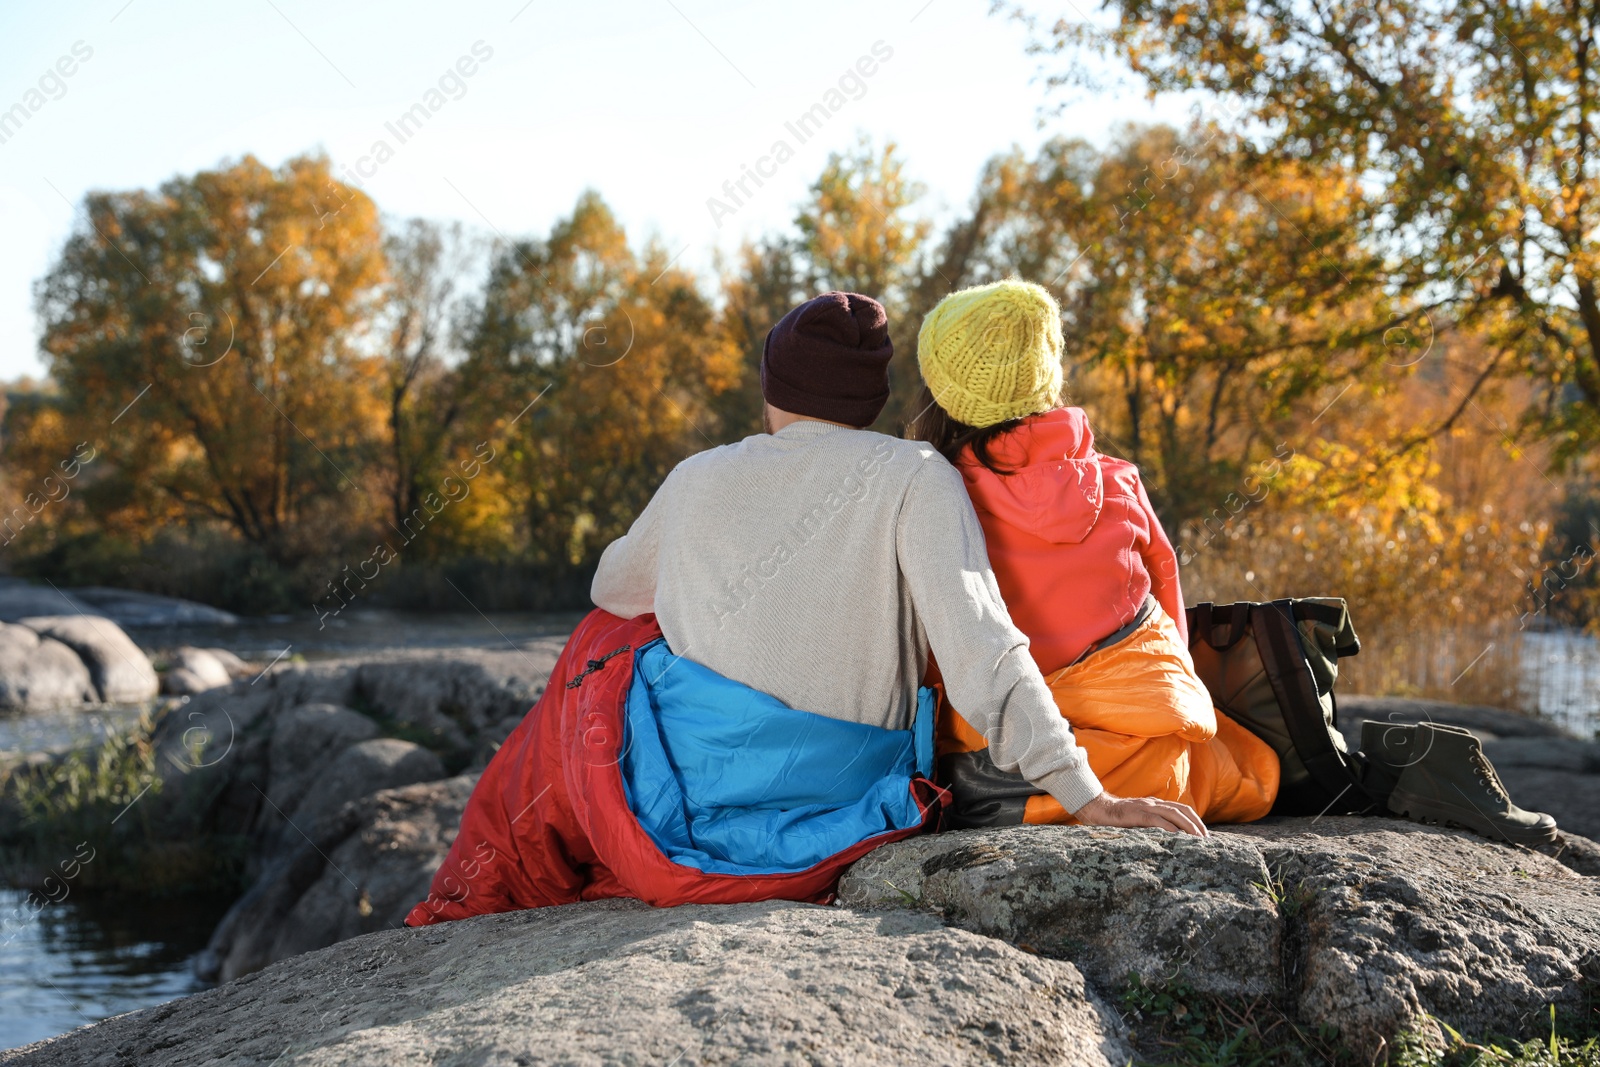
(1487, 776)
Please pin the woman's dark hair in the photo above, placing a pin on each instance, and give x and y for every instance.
(935, 426)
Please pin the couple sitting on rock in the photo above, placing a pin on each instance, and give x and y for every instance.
(754, 705)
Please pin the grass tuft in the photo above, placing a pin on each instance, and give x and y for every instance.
(99, 800)
(1291, 900)
(87, 786)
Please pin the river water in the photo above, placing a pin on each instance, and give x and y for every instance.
(1561, 677)
(67, 964)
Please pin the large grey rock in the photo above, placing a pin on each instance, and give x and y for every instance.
(1576, 853)
(1390, 925)
(120, 670)
(1116, 902)
(1484, 721)
(1374, 926)
(462, 702)
(182, 682)
(236, 667)
(620, 983)
(1547, 753)
(362, 768)
(229, 769)
(38, 673)
(125, 607)
(304, 741)
(358, 870)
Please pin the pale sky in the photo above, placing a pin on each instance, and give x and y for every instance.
(655, 103)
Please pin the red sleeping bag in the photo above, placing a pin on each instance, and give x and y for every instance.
(549, 820)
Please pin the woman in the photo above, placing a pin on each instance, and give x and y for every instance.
(1086, 571)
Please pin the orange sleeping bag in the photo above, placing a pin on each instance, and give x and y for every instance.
(1150, 730)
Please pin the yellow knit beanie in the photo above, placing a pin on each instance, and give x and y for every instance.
(993, 353)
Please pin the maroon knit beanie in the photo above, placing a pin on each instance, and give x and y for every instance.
(829, 359)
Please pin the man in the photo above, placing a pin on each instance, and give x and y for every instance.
(741, 718)
(819, 561)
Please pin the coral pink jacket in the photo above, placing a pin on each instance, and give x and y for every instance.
(1071, 535)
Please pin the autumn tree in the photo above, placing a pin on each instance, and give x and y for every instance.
(1474, 124)
(595, 367)
(859, 231)
(766, 279)
(1207, 304)
(205, 338)
(1441, 549)
(1216, 328)
(424, 301)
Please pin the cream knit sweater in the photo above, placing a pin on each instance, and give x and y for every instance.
(818, 564)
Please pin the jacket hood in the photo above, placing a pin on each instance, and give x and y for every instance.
(1057, 488)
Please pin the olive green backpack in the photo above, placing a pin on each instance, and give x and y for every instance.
(1271, 668)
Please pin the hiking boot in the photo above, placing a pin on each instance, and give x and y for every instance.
(1388, 748)
(1448, 779)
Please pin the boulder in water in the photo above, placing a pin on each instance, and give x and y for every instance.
(191, 671)
(361, 869)
(120, 670)
(39, 673)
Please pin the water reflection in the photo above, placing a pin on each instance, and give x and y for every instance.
(89, 958)
(52, 731)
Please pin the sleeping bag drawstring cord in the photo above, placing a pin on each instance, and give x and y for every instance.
(596, 664)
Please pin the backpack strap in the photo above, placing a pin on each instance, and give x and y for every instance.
(1238, 619)
(1203, 622)
(1283, 656)
(1336, 615)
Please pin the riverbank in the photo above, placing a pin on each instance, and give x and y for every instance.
(1344, 940)
(324, 792)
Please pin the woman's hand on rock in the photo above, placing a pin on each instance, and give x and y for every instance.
(1108, 810)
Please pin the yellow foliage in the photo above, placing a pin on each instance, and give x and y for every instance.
(1433, 545)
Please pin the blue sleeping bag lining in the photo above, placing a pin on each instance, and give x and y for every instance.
(730, 780)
